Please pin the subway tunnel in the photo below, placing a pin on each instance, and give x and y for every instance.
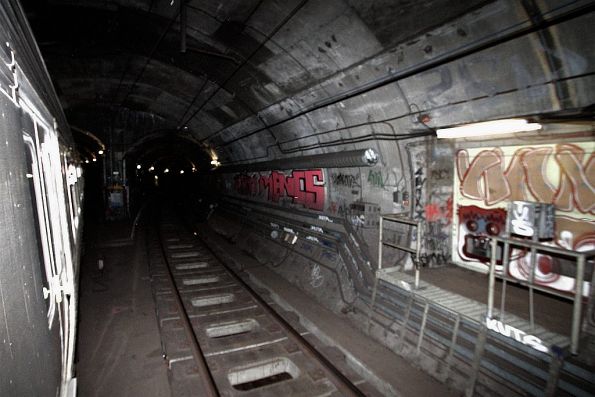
(364, 167)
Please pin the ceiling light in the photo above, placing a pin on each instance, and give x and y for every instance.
(165, 171)
(495, 127)
(138, 167)
(215, 162)
(94, 159)
(86, 161)
(100, 152)
(151, 168)
(181, 172)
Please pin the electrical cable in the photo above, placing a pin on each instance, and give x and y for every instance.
(151, 55)
(245, 61)
(425, 66)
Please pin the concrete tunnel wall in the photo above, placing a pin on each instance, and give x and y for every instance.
(291, 79)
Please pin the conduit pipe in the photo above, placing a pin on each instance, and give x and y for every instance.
(353, 158)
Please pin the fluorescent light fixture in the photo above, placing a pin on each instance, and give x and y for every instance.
(495, 127)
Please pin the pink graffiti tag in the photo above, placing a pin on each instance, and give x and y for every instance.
(303, 187)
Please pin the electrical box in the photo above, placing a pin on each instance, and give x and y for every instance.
(530, 219)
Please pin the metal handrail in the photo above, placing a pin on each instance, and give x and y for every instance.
(581, 260)
(416, 251)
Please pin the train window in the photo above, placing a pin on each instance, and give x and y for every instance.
(42, 227)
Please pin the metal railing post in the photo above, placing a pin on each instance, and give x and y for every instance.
(535, 247)
(576, 309)
(492, 278)
(417, 251)
(505, 262)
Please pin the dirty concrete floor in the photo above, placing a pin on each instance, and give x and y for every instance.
(119, 348)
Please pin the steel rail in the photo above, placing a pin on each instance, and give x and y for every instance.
(209, 386)
(344, 385)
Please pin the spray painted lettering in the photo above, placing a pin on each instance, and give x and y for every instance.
(301, 187)
(346, 180)
(375, 178)
(526, 177)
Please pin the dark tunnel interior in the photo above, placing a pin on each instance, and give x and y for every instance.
(364, 166)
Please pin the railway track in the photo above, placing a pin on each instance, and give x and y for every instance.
(220, 338)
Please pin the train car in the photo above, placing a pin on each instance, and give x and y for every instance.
(41, 189)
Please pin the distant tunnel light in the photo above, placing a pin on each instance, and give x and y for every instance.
(496, 127)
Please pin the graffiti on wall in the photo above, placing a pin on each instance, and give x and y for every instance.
(432, 199)
(345, 180)
(299, 187)
(528, 176)
(487, 179)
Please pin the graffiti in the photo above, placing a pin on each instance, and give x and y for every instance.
(526, 177)
(375, 179)
(418, 193)
(431, 199)
(432, 212)
(436, 212)
(345, 180)
(312, 238)
(325, 218)
(559, 174)
(437, 239)
(317, 229)
(301, 187)
(519, 335)
(380, 180)
(316, 279)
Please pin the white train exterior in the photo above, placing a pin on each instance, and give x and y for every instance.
(41, 191)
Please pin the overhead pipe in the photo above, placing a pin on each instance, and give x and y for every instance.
(353, 158)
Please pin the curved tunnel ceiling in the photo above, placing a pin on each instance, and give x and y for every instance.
(261, 80)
